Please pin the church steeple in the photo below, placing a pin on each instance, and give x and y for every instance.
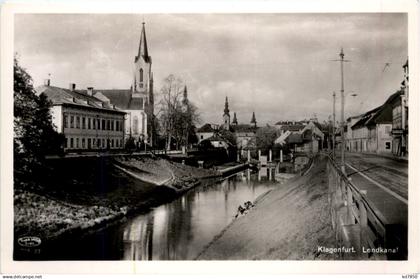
(235, 120)
(143, 52)
(142, 78)
(226, 111)
(226, 115)
(253, 119)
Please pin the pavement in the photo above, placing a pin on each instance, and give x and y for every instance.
(385, 182)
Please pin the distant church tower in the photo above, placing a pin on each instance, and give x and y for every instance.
(142, 88)
(253, 119)
(226, 115)
(235, 120)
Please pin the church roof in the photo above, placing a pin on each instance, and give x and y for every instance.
(59, 96)
(120, 98)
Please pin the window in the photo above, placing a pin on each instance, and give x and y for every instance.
(83, 143)
(98, 143)
(83, 123)
(93, 143)
(71, 142)
(65, 143)
(117, 125)
(103, 124)
(93, 123)
(141, 76)
(201, 136)
(387, 130)
(112, 143)
(88, 120)
(396, 117)
(65, 121)
(135, 125)
(103, 143)
(89, 143)
(77, 142)
(72, 121)
(108, 125)
(387, 145)
(78, 122)
(112, 125)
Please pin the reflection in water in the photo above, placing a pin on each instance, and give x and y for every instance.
(181, 229)
(175, 231)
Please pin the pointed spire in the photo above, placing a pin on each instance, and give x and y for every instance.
(226, 111)
(185, 96)
(143, 45)
(235, 120)
(185, 92)
(253, 119)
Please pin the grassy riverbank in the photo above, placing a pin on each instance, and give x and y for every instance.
(289, 223)
(83, 193)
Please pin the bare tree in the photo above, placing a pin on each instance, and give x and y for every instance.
(176, 113)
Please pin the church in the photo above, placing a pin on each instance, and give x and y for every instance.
(245, 133)
(138, 101)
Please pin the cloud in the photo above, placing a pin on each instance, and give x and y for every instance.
(278, 65)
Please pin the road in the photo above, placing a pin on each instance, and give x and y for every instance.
(385, 181)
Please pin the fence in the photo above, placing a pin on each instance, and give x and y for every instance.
(358, 226)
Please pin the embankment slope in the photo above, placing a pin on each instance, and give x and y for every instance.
(289, 223)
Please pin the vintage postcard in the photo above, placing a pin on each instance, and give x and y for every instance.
(206, 136)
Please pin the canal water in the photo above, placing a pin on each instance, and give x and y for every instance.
(179, 230)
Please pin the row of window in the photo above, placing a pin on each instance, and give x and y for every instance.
(92, 143)
(90, 123)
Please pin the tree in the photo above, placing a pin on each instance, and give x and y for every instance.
(177, 115)
(265, 138)
(34, 134)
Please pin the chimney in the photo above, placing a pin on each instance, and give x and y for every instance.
(89, 91)
(72, 86)
(47, 82)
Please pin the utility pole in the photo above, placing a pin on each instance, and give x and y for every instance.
(333, 149)
(343, 168)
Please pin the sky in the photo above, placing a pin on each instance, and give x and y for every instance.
(279, 65)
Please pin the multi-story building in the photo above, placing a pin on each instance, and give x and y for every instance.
(372, 132)
(400, 118)
(86, 121)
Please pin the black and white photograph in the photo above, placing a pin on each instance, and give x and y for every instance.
(211, 136)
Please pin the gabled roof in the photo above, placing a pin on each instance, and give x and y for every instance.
(282, 138)
(381, 114)
(244, 128)
(206, 128)
(365, 118)
(59, 95)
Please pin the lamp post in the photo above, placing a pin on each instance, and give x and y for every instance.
(343, 168)
(333, 149)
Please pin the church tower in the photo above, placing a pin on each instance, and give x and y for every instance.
(226, 115)
(253, 119)
(235, 120)
(142, 87)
